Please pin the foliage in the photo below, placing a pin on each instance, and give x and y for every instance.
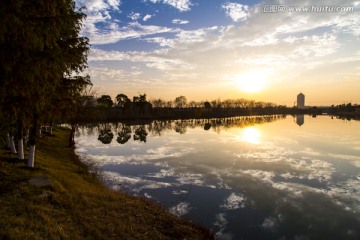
(121, 100)
(180, 102)
(141, 98)
(105, 101)
(41, 50)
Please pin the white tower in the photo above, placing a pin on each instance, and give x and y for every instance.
(300, 100)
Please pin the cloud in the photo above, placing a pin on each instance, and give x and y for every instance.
(181, 209)
(234, 201)
(99, 5)
(147, 17)
(291, 45)
(113, 33)
(181, 5)
(134, 16)
(236, 11)
(179, 21)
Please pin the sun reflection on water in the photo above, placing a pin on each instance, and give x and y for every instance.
(250, 135)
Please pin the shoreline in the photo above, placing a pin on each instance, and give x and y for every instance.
(62, 199)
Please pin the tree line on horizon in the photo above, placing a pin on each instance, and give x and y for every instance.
(182, 102)
(41, 61)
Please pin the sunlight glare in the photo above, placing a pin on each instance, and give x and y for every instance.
(251, 82)
(251, 135)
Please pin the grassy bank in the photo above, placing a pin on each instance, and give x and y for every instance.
(61, 200)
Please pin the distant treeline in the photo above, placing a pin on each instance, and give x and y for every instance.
(104, 109)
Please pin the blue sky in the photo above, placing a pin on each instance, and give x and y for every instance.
(209, 49)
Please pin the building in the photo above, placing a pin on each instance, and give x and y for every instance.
(300, 103)
(300, 119)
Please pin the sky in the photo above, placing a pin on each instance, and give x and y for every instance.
(217, 49)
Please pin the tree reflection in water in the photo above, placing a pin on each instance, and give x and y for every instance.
(124, 135)
(140, 134)
(105, 136)
(158, 127)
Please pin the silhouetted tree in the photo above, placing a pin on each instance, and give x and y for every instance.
(141, 98)
(40, 45)
(105, 136)
(105, 101)
(180, 102)
(124, 135)
(207, 105)
(140, 134)
(122, 99)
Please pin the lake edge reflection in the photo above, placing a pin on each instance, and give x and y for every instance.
(263, 180)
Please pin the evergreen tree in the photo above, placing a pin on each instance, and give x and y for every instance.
(40, 46)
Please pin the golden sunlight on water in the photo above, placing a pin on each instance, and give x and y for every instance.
(250, 135)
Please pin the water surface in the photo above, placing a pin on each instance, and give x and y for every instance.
(270, 177)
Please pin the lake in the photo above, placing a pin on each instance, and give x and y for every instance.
(262, 177)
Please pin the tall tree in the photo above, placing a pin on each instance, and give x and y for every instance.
(105, 101)
(40, 44)
(180, 102)
(122, 99)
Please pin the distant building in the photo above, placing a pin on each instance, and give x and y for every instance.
(300, 120)
(300, 103)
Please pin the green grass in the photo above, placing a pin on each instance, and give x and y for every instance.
(75, 205)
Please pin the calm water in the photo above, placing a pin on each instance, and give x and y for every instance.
(244, 178)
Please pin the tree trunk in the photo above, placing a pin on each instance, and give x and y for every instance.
(20, 149)
(32, 141)
(51, 127)
(20, 139)
(8, 140)
(26, 138)
(12, 145)
(31, 158)
(72, 135)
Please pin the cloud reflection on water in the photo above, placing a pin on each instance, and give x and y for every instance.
(288, 174)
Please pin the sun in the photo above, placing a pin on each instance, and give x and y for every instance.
(251, 135)
(251, 82)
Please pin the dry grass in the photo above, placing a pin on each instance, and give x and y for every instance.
(75, 205)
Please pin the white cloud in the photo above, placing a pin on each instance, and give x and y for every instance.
(288, 43)
(234, 201)
(181, 209)
(181, 5)
(179, 21)
(236, 11)
(147, 17)
(134, 16)
(99, 5)
(114, 33)
(163, 42)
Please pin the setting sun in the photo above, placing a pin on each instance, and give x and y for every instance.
(251, 82)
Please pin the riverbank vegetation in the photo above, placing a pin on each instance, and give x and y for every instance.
(60, 199)
(42, 58)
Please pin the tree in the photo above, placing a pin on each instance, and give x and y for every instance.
(122, 99)
(105, 101)
(40, 45)
(207, 105)
(141, 98)
(180, 102)
(158, 103)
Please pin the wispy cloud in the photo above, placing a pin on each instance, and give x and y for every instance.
(179, 21)
(134, 16)
(114, 33)
(181, 5)
(291, 44)
(147, 17)
(236, 11)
